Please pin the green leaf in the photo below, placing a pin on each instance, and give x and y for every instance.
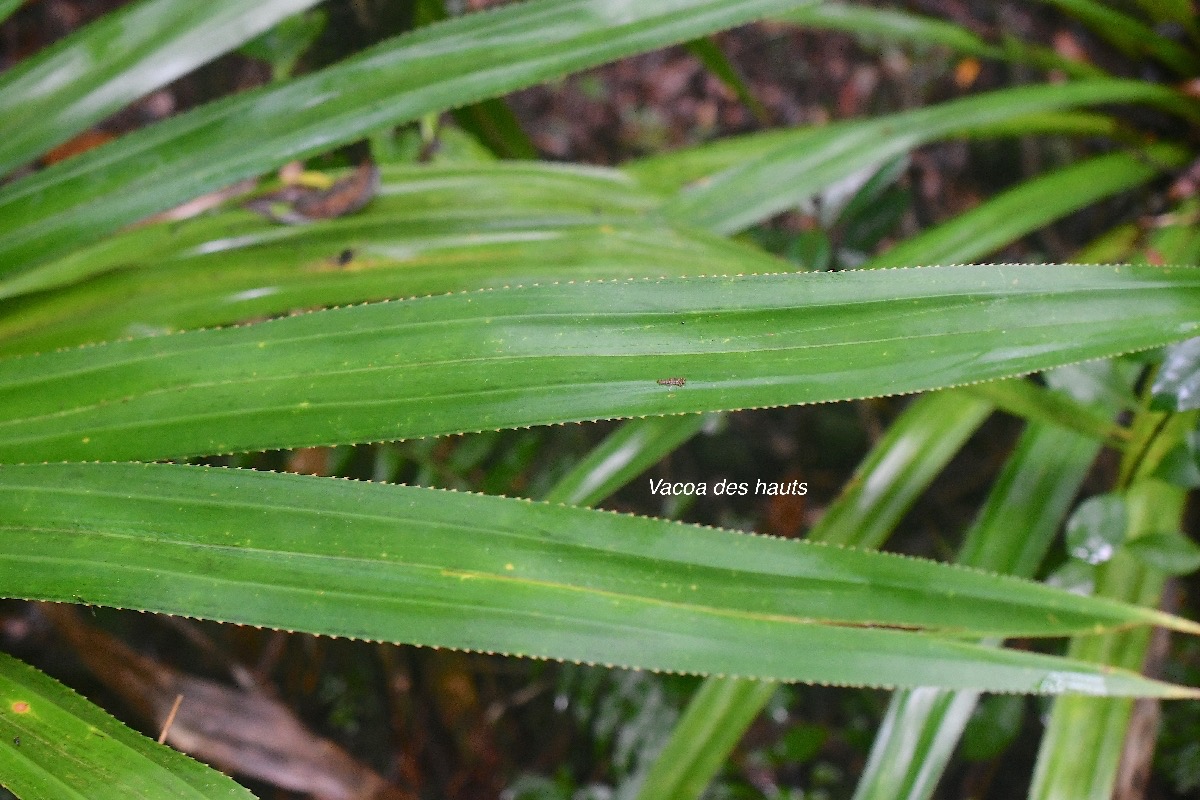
(756, 189)
(918, 444)
(901, 26)
(918, 733)
(714, 60)
(439, 568)
(1011, 534)
(894, 25)
(103, 67)
(283, 45)
(669, 172)
(1130, 34)
(1097, 528)
(1181, 465)
(1083, 742)
(444, 204)
(494, 124)
(1180, 11)
(55, 744)
(993, 727)
(431, 69)
(916, 447)
(623, 455)
(432, 231)
(7, 7)
(1033, 204)
(1024, 398)
(490, 121)
(1169, 552)
(1177, 385)
(545, 354)
(711, 726)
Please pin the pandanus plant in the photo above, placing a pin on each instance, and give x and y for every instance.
(475, 295)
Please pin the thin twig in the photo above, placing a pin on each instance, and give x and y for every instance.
(162, 737)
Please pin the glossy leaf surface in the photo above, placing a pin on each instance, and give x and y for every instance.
(231, 268)
(437, 67)
(489, 573)
(1177, 384)
(672, 171)
(55, 744)
(1012, 534)
(558, 353)
(756, 189)
(1032, 205)
(898, 469)
(416, 210)
(46, 99)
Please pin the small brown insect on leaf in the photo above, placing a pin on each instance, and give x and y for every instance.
(672, 381)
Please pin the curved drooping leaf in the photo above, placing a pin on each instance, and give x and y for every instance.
(55, 744)
(437, 67)
(495, 195)
(1130, 34)
(271, 272)
(7, 7)
(893, 25)
(545, 354)
(756, 189)
(489, 573)
(50, 97)
(671, 171)
(1033, 204)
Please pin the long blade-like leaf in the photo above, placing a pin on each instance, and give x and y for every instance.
(901, 26)
(437, 67)
(81, 80)
(271, 272)
(711, 726)
(671, 171)
(1032, 205)
(55, 744)
(7, 7)
(1012, 534)
(916, 447)
(626, 453)
(489, 573)
(918, 444)
(548, 354)
(756, 189)
(495, 196)
(1082, 746)
(1130, 34)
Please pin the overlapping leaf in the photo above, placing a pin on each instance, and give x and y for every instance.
(487, 573)
(55, 744)
(81, 80)
(558, 353)
(434, 68)
(757, 188)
